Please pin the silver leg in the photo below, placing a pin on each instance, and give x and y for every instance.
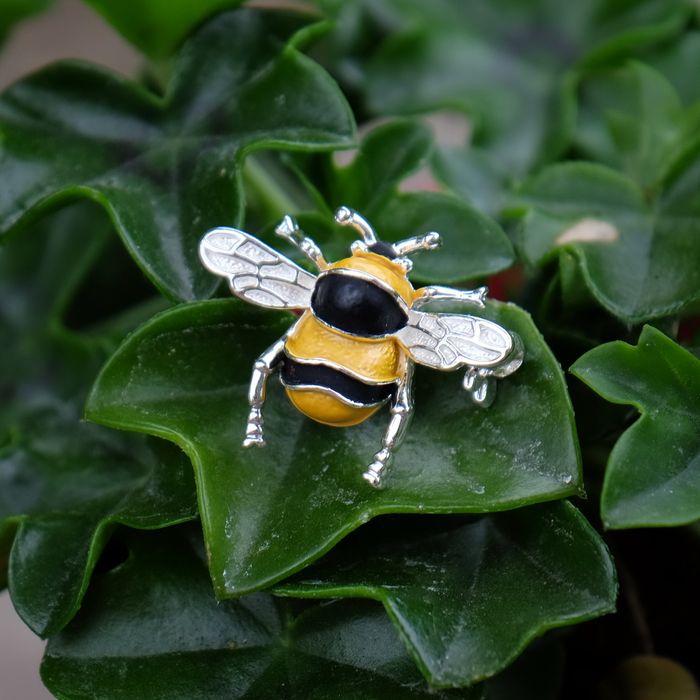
(264, 366)
(438, 293)
(401, 411)
(290, 231)
(480, 384)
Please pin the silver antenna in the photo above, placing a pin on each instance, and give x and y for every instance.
(428, 241)
(349, 217)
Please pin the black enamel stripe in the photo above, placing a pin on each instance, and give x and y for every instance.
(302, 374)
(356, 306)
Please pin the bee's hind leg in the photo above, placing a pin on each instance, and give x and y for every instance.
(264, 366)
(401, 411)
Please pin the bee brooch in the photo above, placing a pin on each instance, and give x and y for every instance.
(360, 331)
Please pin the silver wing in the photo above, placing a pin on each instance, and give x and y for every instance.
(255, 272)
(450, 341)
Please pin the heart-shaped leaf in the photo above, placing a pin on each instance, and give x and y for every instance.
(167, 169)
(266, 513)
(640, 260)
(511, 69)
(473, 245)
(151, 628)
(158, 26)
(66, 494)
(467, 600)
(63, 483)
(653, 474)
(633, 119)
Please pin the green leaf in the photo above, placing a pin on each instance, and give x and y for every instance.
(157, 27)
(653, 473)
(508, 66)
(473, 245)
(167, 169)
(184, 376)
(13, 11)
(640, 260)
(633, 119)
(152, 629)
(471, 173)
(386, 156)
(66, 494)
(63, 483)
(673, 60)
(467, 600)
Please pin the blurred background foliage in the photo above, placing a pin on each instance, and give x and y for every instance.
(556, 148)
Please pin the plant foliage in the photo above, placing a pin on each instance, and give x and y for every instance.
(575, 194)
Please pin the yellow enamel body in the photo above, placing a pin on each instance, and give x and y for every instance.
(372, 360)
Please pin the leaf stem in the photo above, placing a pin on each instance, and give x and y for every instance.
(266, 192)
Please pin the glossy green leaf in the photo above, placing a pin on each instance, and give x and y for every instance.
(633, 119)
(639, 260)
(157, 27)
(167, 169)
(471, 173)
(653, 474)
(14, 11)
(508, 65)
(473, 245)
(64, 483)
(269, 512)
(467, 601)
(66, 494)
(385, 157)
(674, 60)
(152, 629)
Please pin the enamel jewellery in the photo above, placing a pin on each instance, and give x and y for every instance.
(360, 331)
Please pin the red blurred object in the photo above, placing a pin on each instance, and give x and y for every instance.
(507, 284)
(689, 329)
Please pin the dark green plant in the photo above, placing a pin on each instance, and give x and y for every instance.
(576, 196)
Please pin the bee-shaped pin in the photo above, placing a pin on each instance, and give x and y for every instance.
(354, 346)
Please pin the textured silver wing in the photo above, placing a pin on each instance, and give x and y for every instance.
(450, 341)
(255, 272)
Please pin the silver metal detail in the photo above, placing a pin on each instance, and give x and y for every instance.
(290, 231)
(349, 217)
(450, 341)
(437, 293)
(405, 263)
(264, 366)
(368, 277)
(481, 386)
(337, 366)
(400, 413)
(262, 276)
(428, 241)
(331, 392)
(256, 273)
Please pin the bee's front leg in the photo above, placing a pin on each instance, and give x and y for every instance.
(264, 366)
(435, 292)
(401, 411)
